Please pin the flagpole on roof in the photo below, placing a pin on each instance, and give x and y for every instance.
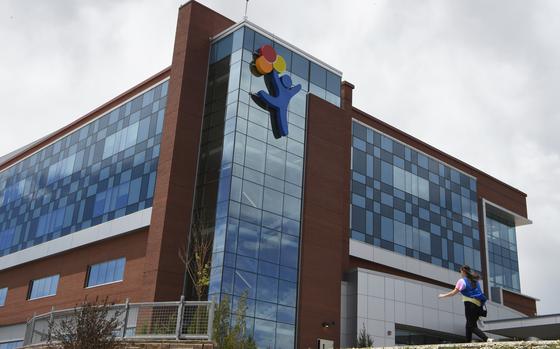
(246, 6)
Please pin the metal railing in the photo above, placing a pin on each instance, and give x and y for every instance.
(161, 320)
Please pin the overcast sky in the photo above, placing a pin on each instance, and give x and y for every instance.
(477, 79)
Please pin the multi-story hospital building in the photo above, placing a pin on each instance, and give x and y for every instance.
(330, 222)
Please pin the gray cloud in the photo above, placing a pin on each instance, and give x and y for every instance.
(477, 79)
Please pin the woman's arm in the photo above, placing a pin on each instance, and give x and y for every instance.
(449, 294)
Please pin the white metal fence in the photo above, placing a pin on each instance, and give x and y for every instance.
(176, 320)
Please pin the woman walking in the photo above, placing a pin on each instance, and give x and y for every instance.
(474, 299)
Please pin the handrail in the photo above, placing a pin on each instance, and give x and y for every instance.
(177, 320)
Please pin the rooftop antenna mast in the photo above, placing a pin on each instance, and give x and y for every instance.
(246, 6)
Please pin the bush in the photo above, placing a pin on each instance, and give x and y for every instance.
(364, 339)
(232, 335)
(90, 326)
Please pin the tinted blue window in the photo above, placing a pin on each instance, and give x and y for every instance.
(267, 289)
(3, 294)
(106, 272)
(248, 40)
(6, 238)
(287, 293)
(318, 75)
(248, 239)
(237, 40)
(87, 174)
(386, 173)
(286, 314)
(11, 345)
(261, 40)
(270, 246)
(386, 229)
(289, 251)
(333, 83)
(502, 247)
(223, 48)
(43, 287)
(405, 180)
(285, 335)
(245, 283)
(300, 66)
(264, 333)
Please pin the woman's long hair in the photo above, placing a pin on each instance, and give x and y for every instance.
(471, 275)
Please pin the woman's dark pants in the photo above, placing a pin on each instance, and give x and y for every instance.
(472, 312)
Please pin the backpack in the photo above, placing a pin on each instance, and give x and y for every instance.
(474, 292)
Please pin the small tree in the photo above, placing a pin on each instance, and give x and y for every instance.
(197, 256)
(90, 326)
(228, 335)
(364, 339)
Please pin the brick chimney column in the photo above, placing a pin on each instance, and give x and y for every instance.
(346, 95)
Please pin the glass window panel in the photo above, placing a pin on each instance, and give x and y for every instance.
(252, 194)
(261, 40)
(458, 252)
(318, 75)
(254, 156)
(289, 251)
(270, 246)
(423, 189)
(400, 233)
(248, 39)
(284, 335)
(265, 333)
(300, 66)
(273, 201)
(3, 294)
(504, 269)
(387, 229)
(292, 207)
(248, 239)
(44, 287)
(267, 289)
(286, 314)
(425, 242)
(290, 226)
(333, 83)
(106, 272)
(265, 310)
(386, 173)
(245, 283)
(275, 162)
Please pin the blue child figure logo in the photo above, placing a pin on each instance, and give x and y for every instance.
(280, 89)
(277, 102)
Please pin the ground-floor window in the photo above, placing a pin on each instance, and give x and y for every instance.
(11, 345)
(407, 335)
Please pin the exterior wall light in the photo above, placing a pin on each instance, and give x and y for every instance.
(328, 324)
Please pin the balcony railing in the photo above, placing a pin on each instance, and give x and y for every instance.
(161, 320)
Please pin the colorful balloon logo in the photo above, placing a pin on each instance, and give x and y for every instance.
(268, 59)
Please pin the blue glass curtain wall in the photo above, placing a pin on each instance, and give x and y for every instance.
(101, 171)
(252, 182)
(502, 252)
(412, 204)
